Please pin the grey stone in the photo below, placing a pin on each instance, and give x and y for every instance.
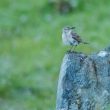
(84, 82)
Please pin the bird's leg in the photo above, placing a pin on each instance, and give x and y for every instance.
(71, 48)
(74, 48)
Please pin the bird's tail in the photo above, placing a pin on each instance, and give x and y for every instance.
(84, 42)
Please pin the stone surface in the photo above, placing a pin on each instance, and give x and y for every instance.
(84, 82)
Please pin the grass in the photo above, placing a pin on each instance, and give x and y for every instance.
(31, 50)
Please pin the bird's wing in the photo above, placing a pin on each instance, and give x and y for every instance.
(76, 37)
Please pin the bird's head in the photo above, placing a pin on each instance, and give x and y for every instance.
(68, 29)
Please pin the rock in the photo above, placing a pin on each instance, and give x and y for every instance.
(84, 81)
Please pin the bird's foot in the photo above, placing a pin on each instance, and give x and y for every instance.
(70, 51)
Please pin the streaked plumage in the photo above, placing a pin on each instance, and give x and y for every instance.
(69, 37)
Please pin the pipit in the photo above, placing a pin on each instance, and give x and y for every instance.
(71, 38)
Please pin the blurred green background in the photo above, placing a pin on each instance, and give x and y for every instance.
(31, 48)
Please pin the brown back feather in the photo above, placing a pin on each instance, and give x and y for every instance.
(76, 37)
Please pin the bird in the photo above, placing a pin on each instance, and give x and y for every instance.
(69, 37)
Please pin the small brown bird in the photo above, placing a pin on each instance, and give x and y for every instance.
(69, 37)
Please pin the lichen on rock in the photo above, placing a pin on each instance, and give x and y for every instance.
(84, 81)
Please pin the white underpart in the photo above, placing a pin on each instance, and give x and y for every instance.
(68, 40)
(65, 39)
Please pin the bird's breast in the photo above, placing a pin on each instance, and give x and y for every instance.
(65, 39)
